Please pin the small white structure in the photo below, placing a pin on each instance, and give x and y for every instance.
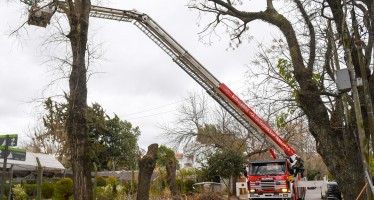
(48, 162)
(185, 161)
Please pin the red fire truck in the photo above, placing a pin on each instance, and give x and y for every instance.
(263, 182)
(273, 179)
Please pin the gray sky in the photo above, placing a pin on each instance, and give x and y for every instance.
(137, 80)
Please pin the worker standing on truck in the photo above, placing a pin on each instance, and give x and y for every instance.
(299, 167)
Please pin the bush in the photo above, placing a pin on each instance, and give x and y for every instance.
(30, 189)
(210, 196)
(127, 189)
(188, 185)
(112, 180)
(105, 193)
(19, 193)
(64, 188)
(100, 193)
(48, 190)
(101, 182)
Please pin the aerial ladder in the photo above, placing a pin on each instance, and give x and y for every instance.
(40, 16)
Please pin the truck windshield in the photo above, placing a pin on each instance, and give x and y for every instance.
(268, 168)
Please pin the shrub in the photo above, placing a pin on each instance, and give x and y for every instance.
(112, 180)
(48, 190)
(105, 193)
(101, 182)
(210, 196)
(64, 188)
(188, 185)
(30, 189)
(19, 193)
(128, 189)
(100, 193)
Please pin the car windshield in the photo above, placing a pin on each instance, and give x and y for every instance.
(333, 186)
(275, 168)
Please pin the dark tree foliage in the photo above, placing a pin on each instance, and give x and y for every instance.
(224, 163)
(113, 142)
(164, 154)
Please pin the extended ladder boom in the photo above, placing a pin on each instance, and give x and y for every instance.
(219, 91)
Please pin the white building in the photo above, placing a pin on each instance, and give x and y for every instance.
(185, 161)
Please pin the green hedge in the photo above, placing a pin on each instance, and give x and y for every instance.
(64, 188)
(48, 189)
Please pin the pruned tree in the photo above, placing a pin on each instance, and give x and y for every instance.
(171, 170)
(310, 59)
(166, 158)
(146, 166)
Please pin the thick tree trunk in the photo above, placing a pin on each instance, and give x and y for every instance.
(171, 171)
(146, 166)
(77, 129)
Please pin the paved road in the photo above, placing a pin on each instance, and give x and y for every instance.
(313, 194)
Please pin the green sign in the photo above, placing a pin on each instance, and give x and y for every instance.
(13, 153)
(12, 140)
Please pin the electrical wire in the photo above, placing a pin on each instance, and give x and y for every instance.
(166, 105)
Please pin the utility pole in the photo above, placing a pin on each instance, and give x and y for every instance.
(368, 102)
(356, 99)
(4, 166)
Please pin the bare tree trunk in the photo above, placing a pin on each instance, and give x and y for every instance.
(146, 166)
(77, 129)
(171, 171)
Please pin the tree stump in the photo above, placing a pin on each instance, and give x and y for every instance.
(146, 166)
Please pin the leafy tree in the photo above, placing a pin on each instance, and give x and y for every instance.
(124, 146)
(51, 136)
(164, 154)
(317, 38)
(113, 142)
(225, 163)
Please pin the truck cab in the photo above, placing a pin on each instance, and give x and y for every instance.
(270, 179)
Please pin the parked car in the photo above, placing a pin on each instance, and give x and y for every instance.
(330, 190)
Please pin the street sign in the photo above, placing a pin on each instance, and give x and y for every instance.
(12, 140)
(13, 153)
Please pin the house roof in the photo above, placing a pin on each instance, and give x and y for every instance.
(47, 161)
(179, 155)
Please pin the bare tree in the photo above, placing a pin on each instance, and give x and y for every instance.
(201, 128)
(307, 67)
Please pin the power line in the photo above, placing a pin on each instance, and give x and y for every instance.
(166, 105)
(155, 108)
(150, 115)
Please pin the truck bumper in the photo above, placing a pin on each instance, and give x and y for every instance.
(270, 196)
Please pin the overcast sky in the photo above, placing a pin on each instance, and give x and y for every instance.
(137, 80)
